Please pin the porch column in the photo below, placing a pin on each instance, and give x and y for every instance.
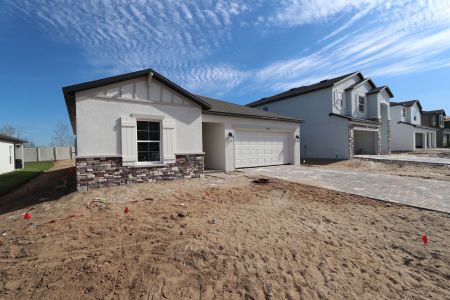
(424, 140)
(434, 136)
(23, 159)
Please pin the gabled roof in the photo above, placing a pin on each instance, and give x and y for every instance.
(303, 89)
(435, 112)
(407, 103)
(379, 89)
(69, 91)
(361, 82)
(224, 108)
(4, 137)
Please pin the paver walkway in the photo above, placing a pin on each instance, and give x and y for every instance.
(424, 193)
(408, 158)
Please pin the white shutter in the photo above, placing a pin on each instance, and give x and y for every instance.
(169, 141)
(129, 146)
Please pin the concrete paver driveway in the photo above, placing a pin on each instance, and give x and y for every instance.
(424, 193)
(439, 161)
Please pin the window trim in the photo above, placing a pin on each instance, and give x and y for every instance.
(358, 98)
(434, 121)
(403, 113)
(156, 162)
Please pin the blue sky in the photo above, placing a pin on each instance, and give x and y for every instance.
(234, 50)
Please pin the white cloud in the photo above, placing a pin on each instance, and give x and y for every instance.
(168, 35)
(389, 39)
(180, 38)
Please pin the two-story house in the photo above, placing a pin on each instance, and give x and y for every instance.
(446, 138)
(343, 116)
(435, 119)
(407, 129)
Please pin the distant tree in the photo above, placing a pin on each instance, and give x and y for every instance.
(61, 136)
(9, 130)
(29, 144)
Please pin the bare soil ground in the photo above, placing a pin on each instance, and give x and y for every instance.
(54, 183)
(275, 241)
(439, 152)
(419, 171)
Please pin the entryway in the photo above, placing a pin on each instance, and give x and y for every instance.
(365, 142)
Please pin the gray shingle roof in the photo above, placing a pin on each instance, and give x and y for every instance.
(5, 137)
(378, 89)
(219, 107)
(303, 90)
(437, 111)
(407, 103)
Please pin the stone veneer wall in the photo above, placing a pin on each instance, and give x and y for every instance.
(97, 172)
(351, 138)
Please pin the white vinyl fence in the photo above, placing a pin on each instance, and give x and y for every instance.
(48, 153)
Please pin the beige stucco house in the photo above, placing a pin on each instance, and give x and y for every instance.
(141, 126)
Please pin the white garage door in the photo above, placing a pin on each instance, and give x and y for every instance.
(261, 148)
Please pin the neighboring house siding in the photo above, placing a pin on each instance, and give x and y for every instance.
(7, 158)
(346, 103)
(321, 136)
(99, 112)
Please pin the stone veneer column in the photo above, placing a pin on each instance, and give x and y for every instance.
(97, 172)
(351, 142)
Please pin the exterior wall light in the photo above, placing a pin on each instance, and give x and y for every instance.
(230, 134)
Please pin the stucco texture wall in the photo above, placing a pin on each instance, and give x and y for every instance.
(98, 114)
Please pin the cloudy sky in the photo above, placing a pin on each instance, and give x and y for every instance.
(234, 50)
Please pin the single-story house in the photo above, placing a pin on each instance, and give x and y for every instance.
(408, 131)
(343, 116)
(11, 153)
(140, 127)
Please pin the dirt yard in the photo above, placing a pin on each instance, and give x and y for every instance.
(419, 171)
(223, 237)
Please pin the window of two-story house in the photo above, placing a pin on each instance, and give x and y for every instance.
(265, 108)
(403, 113)
(441, 120)
(148, 141)
(414, 114)
(361, 104)
(433, 121)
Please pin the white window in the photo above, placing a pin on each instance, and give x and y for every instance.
(403, 112)
(265, 108)
(148, 141)
(361, 104)
(414, 114)
(441, 120)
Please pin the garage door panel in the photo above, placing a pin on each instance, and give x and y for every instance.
(253, 148)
